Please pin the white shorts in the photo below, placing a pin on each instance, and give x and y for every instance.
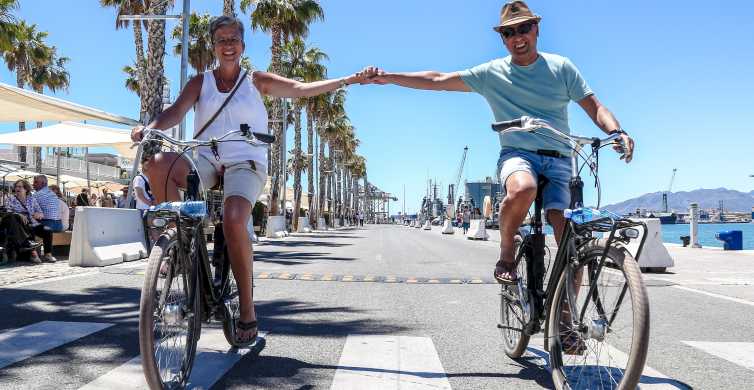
(239, 178)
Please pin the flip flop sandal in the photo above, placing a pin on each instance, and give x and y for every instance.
(244, 326)
(508, 273)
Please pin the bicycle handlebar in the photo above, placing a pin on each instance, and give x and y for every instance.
(530, 125)
(253, 138)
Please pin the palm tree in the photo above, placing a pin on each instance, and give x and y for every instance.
(154, 77)
(132, 79)
(28, 51)
(302, 63)
(53, 75)
(313, 70)
(7, 24)
(282, 19)
(201, 55)
(132, 7)
(229, 8)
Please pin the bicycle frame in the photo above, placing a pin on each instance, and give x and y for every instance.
(573, 236)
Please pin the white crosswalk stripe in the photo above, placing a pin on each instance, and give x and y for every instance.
(739, 353)
(389, 362)
(214, 358)
(651, 379)
(22, 343)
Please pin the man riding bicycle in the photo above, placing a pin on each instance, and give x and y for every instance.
(531, 83)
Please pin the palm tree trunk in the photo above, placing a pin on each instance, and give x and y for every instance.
(321, 167)
(310, 166)
(277, 127)
(229, 7)
(140, 63)
(151, 100)
(297, 166)
(21, 125)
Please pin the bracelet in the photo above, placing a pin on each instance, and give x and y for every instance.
(619, 131)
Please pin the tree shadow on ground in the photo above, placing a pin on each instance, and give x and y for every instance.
(299, 318)
(295, 258)
(119, 343)
(269, 371)
(290, 244)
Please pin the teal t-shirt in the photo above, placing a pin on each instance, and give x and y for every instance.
(541, 90)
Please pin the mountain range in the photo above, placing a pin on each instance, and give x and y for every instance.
(733, 201)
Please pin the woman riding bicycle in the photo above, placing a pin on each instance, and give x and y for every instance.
(243, 166)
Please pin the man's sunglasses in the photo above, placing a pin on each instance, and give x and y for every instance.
(522, 29)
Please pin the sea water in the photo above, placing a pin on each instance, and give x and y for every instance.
(707, 231)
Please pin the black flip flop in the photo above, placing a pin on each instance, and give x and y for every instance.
(508, 268)
(240, 325)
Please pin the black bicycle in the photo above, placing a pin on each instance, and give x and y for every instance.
(183, 286)
(594, 307)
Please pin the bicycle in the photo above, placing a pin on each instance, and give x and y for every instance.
(182, 286)
(579, 323)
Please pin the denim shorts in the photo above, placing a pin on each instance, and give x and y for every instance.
(556, 195)
(55, 225)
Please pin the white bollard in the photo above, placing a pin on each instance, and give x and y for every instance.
(447, 227)
(427, 225)
(694, 226)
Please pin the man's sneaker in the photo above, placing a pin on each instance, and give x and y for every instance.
(49, 258)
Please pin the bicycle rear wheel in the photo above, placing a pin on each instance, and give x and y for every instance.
(169, 315)
(608, 348)
(514, 307)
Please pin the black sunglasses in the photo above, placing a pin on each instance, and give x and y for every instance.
(522, 29)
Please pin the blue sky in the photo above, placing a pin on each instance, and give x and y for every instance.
(677, 74)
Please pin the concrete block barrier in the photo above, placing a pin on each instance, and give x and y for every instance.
(654, 256)
(276, 227)
(447, 227)
(427, 225)
(321, 224)
(477, 230)
(104, 236)
(303, 225)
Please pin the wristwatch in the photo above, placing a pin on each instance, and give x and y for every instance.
(619, 131)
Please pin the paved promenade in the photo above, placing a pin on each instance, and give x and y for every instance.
(382, 306)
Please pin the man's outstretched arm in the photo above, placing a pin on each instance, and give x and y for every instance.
(431, 80)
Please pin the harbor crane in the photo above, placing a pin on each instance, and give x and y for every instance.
(452, 188)
(665, 195)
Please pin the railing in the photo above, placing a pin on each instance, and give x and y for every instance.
(77, 167)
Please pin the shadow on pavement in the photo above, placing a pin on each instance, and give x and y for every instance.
(307, 243)
(297, 318)
(294, 258)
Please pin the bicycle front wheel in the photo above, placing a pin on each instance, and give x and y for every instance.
(169, 316)
(606, 348)
(514, 308)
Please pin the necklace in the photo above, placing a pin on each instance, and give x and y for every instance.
(222, 82)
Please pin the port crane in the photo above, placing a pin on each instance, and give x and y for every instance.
(452, 188)
(665, 195)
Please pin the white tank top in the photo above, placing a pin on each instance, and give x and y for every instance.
(246, 106)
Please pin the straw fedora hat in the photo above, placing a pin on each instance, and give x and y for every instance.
(513, 13)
